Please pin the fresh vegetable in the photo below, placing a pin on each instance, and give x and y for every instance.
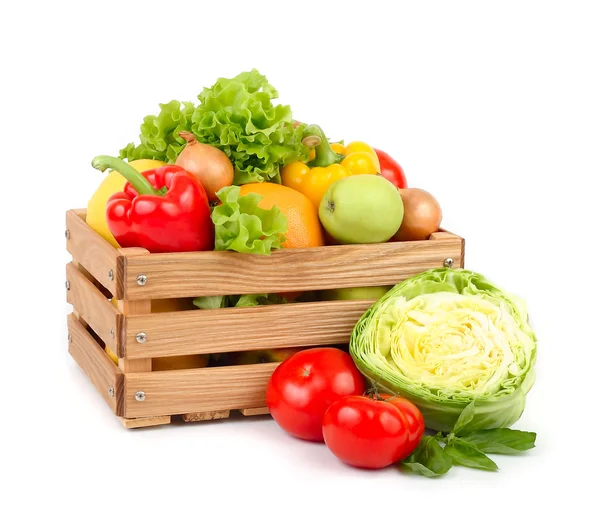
(446, 338)
(313, 178)
(243, 225)
(221, 301)
(361, 209)
(414, 418)
(422, 215)
(208, 164)
(303, 226)
(306, 384)
(162, 210)
(391, 169)
(435, 455)
(367, 433)
(112, 183)
(354, 293)
(235, 115)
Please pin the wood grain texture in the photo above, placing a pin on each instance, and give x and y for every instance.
(286, 270)
(94, 253)
(131, 308)
(94, 308)
(197, 390)
(243, 329)
(96, 364)
(250, 412)
(145, 422)
(207, 415)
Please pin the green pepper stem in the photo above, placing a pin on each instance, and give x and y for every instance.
(324, 155)
(136, 179)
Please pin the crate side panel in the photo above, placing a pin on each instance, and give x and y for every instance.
(94, 308)
(243, 329)
(197, 390)
(173, 275)
(96, 364)
(94, 253)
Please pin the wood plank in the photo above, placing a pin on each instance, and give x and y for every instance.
(243, 329)
(96, 364)
(207, 415)
(145, 422)
(197, 390)
(94, 308)
(94, 253)
(250, 412)
(170, 275)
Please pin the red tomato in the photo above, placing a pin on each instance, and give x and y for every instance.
(306, 384)
(366, 433)
(416, 422)
(391, 169)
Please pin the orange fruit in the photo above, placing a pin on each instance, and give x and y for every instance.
(303, 225)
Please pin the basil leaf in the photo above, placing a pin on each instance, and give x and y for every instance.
(503, 441)
(428, 459)
(464, 418)
(465, 454)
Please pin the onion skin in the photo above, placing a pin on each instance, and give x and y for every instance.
(209, 165)
(422, 215)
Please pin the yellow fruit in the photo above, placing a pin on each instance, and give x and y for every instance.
(112, 183)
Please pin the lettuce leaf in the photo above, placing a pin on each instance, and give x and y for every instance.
(236, 115)
(242, 226)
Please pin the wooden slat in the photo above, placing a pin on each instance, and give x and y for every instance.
(197, 390)
(243, 329)
(94, 308)
(145, 422)
(207, 415)
(94, 253)
(286, 270)
(96, 364)
(250, 412)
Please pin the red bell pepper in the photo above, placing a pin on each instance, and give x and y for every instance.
(163, 210)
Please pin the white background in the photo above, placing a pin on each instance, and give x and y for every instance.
(494, 107)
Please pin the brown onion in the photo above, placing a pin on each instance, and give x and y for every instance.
(422, 215)
(208, 164)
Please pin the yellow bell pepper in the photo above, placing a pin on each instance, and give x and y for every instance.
(327, 164)
(113, 183)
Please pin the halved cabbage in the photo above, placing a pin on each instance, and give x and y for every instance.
(445, 338)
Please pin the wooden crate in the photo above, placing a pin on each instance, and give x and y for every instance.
(135, 278)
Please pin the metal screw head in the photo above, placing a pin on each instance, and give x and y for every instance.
(141, 337)
(112, 332)
(111, 274)
(141, 280)
(69, 337)
(448, 262)
(67, 285)
(140, 396)
(111, 391)
(67, 234)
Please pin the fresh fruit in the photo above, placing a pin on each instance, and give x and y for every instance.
(209, 165)
(414, 418)
(354, 293)
(361, 209)
(306, 384)
(303, 226)
(113, 183)
(179, 362)
(267, 355)
(366, 433)
(391, 169)
(422, 215)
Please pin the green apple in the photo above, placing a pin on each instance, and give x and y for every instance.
(354, 293)
(361, 209)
